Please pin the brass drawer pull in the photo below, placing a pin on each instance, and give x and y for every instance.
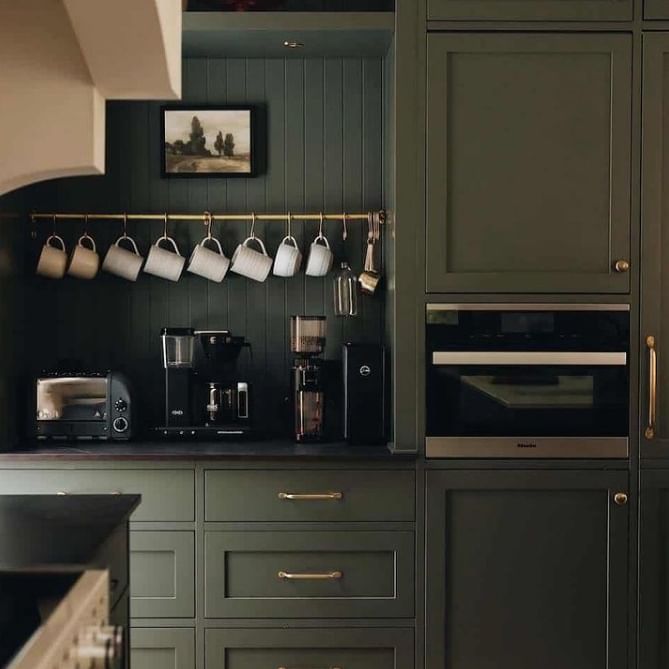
(652, 388)
(311, 497)
(291, 668)
(310, 576)
(621, 266)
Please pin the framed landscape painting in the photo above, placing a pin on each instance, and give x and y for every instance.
(207, 141)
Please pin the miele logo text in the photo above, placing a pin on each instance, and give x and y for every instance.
(526, 445)
(177, 412)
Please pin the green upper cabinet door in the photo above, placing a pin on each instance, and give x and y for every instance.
(538, 10)
(655, 248)
(528, 163)
(656, 9)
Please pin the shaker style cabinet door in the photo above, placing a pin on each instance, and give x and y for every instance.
(655, 248)
(656, 9)
(527, 569)
(528, 163)
(539, 10)
(654, 570)
(162, 648)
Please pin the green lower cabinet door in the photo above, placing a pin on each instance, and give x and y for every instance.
(527, 570)
(162, 574)
(309, 649)
(162, 648)
(309, 574)
(528, 162)
(654, 570)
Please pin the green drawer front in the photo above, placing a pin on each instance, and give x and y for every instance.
(345, 648)
(166, 648)
(309, 574)
(162, 574)
(294, 496)
(167, 495)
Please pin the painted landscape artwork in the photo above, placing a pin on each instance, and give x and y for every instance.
(207, 142)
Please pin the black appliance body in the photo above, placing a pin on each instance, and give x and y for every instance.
(364, 371)
(204, 398)
(83, 406)
(527, 381)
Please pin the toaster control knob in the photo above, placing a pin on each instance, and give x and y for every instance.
(121, 405)
(120, 424)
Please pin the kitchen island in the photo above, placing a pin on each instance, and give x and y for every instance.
(46, 543)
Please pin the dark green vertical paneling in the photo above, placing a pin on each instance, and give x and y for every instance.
(320, 142)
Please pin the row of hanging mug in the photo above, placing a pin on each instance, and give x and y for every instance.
(124, 259)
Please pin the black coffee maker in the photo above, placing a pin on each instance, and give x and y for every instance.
(204, 398)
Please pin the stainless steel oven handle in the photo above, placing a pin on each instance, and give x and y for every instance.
(649, 433)
(608, 358)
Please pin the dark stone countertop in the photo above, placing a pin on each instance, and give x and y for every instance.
(159, 450)
(53, 530)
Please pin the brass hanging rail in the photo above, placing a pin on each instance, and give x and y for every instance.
(204, 216)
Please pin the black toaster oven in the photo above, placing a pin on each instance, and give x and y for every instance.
(86, 405)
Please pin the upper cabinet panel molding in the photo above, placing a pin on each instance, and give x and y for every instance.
(528, 163)
(656, 9)
(534, 10)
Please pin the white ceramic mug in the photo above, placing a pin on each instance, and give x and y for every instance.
(320, 258)
(251, 263)
(212, 265)
(288, 257)
(163, 263)
(84, 261)
(52, 260)
(123, 262)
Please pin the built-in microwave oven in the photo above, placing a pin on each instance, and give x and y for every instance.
(527, 380)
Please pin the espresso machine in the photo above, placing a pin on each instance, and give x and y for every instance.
(204, 398)
(307, 341)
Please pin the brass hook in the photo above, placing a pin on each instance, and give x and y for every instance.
(345, 230)
(208, 220)
(290, 220)
(165, 225)
(125, 224)
(85, 225)
(320, 224)
(54, 224)
(253, 225)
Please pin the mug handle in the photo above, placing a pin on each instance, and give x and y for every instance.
(258, 241)
(322, 238)
(289, 238)
(129, 239)
(165, 238)
(56, 238)
(90, 239)
(213, 239)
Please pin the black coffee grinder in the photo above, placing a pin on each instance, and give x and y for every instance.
(204, 398)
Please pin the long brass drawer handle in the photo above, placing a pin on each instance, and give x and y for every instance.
(652, 388)
(311, 497)
(291, 668)
(310, 576)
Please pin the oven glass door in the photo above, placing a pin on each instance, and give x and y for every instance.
(499, 396)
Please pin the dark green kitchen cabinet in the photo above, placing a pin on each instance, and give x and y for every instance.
(655, 248)
(538, 10)
(656, 9)
(654, 570)
(527, 569)
(528, 163)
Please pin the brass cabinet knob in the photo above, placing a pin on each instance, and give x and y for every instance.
(620, 498)
(621, 266)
